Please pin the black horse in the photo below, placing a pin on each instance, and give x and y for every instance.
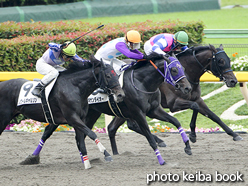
(196, 62)
(68, 102)
(142, 98)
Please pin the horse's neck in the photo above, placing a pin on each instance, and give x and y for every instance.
(83, 80)
(149, 78)
(194, 70)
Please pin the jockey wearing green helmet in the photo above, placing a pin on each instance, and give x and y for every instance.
(165, 42)
(50, 64)
(181, 37)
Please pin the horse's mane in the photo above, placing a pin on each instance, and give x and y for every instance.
(153, 56)
(197, 49)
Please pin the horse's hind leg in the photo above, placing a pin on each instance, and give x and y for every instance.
(35, 157)
(5, 118)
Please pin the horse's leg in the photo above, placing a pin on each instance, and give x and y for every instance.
(160, 114)
(192, 135)
(75, 121)
(204, 110)
(35, 157)
(112, 128)
(141, 121)
(132, 125)
(5, 117)
(80, 140)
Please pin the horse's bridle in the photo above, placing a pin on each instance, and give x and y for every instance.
(214, 67)
(167, 77)
(102, 82)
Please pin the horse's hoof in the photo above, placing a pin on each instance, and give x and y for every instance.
(187, 151)
(31, 160)
(108, 158)
(237, 138)
(163, 163)
(192, 138)
(162, 144)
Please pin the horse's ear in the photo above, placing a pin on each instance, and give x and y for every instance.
(102, 63)
(173, 55)
(221, 47)
(167, 59)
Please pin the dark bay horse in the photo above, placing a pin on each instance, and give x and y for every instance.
(142, 98)
(68, 102)
(196, 62)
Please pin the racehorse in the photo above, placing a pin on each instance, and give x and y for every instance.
(68, 101)
(142, 97)
(196, 62)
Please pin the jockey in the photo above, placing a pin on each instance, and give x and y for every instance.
(50, 63)
(163, 43)
(127, 46)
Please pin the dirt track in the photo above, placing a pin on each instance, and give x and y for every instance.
(61, 163)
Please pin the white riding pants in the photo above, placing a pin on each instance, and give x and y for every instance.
(49, 71)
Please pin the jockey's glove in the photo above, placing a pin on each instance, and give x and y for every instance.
(63, 45)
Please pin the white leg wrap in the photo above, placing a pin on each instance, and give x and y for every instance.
(86, 162)
(100, 146)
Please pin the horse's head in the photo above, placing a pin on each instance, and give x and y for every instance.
(221, 66)
(107, 79)
(174, 74)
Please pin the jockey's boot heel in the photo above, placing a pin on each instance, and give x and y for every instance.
(37, 90)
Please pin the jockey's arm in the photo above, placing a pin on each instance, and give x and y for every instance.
(55, 47)
(159, 46)
(77, 58)
(121, 47)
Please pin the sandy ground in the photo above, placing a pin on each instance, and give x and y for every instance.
(136, 165)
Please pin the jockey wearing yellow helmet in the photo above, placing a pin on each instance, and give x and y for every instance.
(50, 63)
(127, 46)
(166, 42)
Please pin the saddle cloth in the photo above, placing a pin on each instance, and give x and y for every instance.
(101, 97)
(26, 97)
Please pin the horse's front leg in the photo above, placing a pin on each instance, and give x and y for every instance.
(35, 157)
(79, 126)
(141, 121)
(112, 129)
(160, 114)
(132, 125)
(205, 111)
(192, 134)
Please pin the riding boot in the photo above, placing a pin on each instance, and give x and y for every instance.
(37, 90)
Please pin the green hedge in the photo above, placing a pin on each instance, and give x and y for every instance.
(21, 53)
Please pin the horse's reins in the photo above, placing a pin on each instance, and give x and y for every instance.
(164, 75)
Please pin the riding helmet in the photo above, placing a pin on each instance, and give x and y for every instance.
(70, 50)
(133, 36)
(181, 37)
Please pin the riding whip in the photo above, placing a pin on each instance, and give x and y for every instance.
(85, 34)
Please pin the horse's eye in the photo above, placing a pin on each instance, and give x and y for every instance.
(174, 71)
(221, 62)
